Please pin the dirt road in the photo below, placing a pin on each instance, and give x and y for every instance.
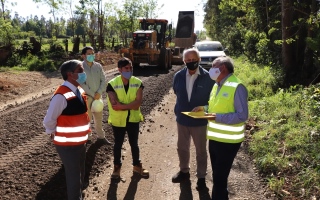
(158, 153)
(31, 169)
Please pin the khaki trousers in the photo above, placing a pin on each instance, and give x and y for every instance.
(198, 135)
(97, 119)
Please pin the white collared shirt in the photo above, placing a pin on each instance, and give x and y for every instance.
(190, 81)
(57, 104)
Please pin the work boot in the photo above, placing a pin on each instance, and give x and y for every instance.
(180, 177)
(139, 169)
(116, 172)
(201, 184)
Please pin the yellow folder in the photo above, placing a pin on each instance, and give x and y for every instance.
(197, 115)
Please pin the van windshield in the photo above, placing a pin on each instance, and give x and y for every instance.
(209, 47)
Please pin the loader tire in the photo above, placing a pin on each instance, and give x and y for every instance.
(169, 58)
(163, 59)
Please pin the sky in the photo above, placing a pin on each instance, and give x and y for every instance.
(169, 11)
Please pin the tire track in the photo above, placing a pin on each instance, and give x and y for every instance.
(32, 146)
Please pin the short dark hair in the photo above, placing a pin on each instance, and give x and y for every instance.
(124, 62)
(84, 50)
(68, 66)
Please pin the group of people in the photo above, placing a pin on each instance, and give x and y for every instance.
(68, 118)
(217, 92)
(223, 99)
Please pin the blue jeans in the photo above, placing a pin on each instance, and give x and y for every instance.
(119, 133)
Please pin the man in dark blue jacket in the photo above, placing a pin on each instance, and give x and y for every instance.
(192, 86)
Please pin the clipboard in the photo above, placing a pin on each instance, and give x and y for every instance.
(198, 115)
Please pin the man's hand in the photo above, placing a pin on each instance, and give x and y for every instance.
(197, 109)
(212, 116)
(52, 135)
(97, 96)
(117, 106)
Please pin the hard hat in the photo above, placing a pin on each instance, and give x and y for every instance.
(97, 106)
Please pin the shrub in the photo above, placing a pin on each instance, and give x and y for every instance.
(33, 63)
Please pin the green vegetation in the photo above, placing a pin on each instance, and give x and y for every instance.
(285, 142)
(284, 34)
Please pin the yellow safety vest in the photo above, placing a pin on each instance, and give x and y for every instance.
(222, 103)
(119, 118)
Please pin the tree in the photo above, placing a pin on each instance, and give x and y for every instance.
(55, 6)
(6, 32)
(150, 8)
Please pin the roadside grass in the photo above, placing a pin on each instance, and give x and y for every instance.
(259, 80)
(285, 142)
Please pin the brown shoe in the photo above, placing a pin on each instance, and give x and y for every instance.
(139, 169)
(116, 172)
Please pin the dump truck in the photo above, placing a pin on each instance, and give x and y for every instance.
(150, 44)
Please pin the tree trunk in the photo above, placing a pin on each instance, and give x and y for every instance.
(2, 6)
(287, 53)
(308, 64)
(76, 45)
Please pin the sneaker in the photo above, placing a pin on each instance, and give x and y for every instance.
(201, 184)
(180, 177)
(116, 172)
(103, 141)
(139, 169)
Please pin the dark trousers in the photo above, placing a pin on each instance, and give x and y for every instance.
(119, 133)
(222, 156)
(73, 159)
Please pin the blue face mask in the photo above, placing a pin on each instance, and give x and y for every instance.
(127, 75)
(82, 77)
(90, 58)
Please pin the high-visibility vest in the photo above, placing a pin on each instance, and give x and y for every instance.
(73, 125)
(222, 103)
(119, 118)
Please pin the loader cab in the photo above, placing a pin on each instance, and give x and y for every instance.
(160, 26)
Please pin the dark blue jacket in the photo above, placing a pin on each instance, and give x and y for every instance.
(199, 97)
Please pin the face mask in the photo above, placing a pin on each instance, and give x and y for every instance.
(90, 58)
(82, 77)
(214, 73)
(192, 65)
(127, 75)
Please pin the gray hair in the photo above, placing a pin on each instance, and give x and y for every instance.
(194, 50)
(68, 66)
(225, 60)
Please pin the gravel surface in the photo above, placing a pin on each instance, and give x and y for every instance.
(31, 169)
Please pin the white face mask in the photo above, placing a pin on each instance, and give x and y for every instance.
(214, 73)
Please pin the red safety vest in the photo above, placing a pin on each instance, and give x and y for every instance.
(73, 125)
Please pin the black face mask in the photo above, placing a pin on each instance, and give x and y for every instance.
(192, 65)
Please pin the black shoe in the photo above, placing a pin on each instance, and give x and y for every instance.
(88, 141)
(103, 141)
(201, 184)
(180, 176)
